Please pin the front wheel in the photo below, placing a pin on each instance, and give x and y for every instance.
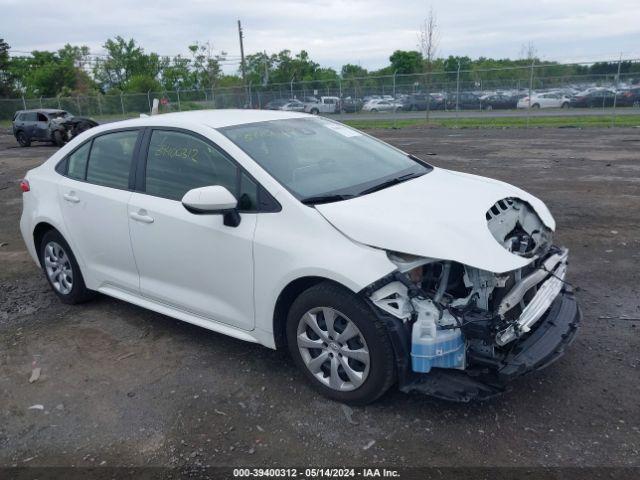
(314, 111)
(565, 105)
(339, 344)
(58, 139)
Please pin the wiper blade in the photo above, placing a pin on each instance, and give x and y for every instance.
(325, 199)
(391, 182)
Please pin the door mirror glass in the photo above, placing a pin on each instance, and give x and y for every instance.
(213, 199)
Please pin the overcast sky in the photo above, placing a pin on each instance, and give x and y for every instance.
(333, 32)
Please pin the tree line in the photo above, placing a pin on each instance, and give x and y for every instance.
(127, 67)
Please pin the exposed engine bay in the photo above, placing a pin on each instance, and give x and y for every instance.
(64, 128)
(462, 317)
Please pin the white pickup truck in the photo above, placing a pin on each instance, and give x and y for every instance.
(323, 105)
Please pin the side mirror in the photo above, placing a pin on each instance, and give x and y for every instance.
(215, 199)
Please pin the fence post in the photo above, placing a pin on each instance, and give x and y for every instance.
(615, 94)
(149, 100)
(122, 103)
(530, 91)
(178, 95)
(291, 85)
(78, 104)
(59, 106)
(99, 105)
(213, 97)
(457, 92)
(40, 101)
(24, 103)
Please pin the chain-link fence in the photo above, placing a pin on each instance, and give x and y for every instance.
(512, 91)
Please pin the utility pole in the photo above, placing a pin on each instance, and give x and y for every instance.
(242, 65)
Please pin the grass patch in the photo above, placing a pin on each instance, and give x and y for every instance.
(590, 121)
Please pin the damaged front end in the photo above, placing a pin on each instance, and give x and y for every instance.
(461, 333)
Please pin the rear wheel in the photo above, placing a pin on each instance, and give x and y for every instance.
(339, 345)
(62, 270)
(314, 111)
(535, 106)
(565, 105)
(374, 110)
(23, 140)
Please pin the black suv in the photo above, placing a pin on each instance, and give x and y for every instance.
(48, 125)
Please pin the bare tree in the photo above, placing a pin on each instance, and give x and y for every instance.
(428, 40)
(528, 51)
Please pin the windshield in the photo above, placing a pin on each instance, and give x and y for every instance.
(315, 157)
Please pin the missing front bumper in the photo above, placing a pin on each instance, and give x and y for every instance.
(542, 346)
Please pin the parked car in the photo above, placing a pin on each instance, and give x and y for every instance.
(594, 98)
(323, 105)
(629, 98)
(350, 105)
(286, 242)
(416, 101)
(381, 106)
(279, 103)
(464, 101)
(293, 106)
(48, 125)
(544, 100)
(498, 101)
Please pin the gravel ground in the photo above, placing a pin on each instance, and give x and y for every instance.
(123, 386)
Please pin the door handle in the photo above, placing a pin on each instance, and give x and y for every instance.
(70, 197)
(141, 216)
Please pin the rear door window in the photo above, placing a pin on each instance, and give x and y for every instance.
(178, 162)
(110, 159)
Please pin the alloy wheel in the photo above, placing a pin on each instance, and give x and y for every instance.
(333, 349)
(58, 267)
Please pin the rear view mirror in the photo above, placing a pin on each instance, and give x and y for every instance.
(215, 199)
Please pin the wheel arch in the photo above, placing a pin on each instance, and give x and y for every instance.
(39, 232)
(286, 298)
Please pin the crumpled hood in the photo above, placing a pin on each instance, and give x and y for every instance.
(438, 215)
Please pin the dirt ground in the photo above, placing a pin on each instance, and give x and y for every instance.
(125, 386)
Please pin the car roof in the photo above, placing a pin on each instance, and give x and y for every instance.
(41, 110)
(210, 118)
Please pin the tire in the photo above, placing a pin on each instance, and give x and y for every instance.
(22, 139)
(489, 107)
(636, 104)
(535, 106)
(55, 254)
(367, 379)
(374, 110)
(58, 139)
(314, 111)
(565, 105)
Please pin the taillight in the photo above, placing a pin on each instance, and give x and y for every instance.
(24, 185)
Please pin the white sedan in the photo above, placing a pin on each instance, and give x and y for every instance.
(371, 266)
(381, 105)
(545, 100)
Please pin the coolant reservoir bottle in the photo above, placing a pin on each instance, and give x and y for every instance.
(431, 345)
